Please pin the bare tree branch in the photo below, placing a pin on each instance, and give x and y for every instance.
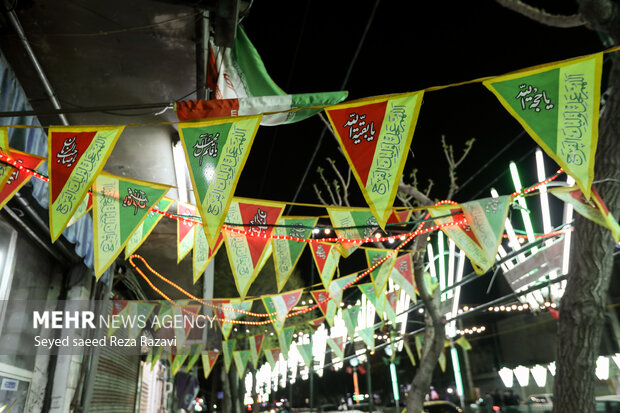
(415, 193)
(329, 127)
(542, 16)
(345, 184)
(327, 185)
(318, 194)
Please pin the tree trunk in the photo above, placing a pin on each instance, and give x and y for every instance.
(435, 333)
(227, 400)
(582, 309)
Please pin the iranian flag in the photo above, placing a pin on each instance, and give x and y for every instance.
(280, 305)
(558, 105)
(247, 251)
(16, 178)
(375, 135)
(209, 358)
(76, 155)
(120, 206)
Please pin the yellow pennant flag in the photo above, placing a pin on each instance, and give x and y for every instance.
(5, 170)
(16, 178)
(76, 156)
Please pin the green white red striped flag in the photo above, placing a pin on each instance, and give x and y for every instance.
(209, 358)
(326, 257)
(216, 151)
(144, 230)
(381, 274)
(361, 223)
(247, 252)
(120, 206)
(286, 253)
(558, 105)
(375, 135)
(76, 156)
(480, 237)
(280, 305)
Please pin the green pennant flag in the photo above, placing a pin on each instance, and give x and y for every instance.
(195, 351)
(279, 305)
(326, 257)
(337, 345)
(241, 360)
(368, 337)
(402, 275)
(462, 341)
(305, 351)
(224, 310)
(203, 254)
(120, 206)
(163, 316)
(286, 253)
(138, 310)
(256, 345)
(185, 311)
(408, 350)
(272, 355)
(228, 346)
(186, 229)
(216, 151)
(209, 358)
(350, 316)
(368, 289)
(558, 105)
(442, 360)
(144, 230)
(246, 253)
(336, 287)
(285, 337)
(178, 360)
(156, 355)
(419, 344)
(327, 306)
(482, 235)
(381, 274)
(389, 306)
(354, 223)
(375, 134)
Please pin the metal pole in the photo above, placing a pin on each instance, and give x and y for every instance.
(371, 400)
(311, 382)
(290, 396)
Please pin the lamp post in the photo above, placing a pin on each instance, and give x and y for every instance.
(354, 362)
(389, 352)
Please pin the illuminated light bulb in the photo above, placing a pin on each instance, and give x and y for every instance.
(247, 331)
(522, 374)
(421, 310)
(490, 308)
(270, 334)
(303, 303)
(525, 306)
(501, 307)
(520, 308)
(327, 231)
(508, 309)
(459, 311)
(547, 304)
(402, 238)
(315, 231)
(521, 240)
(553, 305)
(514, 306)
(377, 235)
(391, 240)
(483, 328)
(428, 239)
(466, 308)
(235, 328)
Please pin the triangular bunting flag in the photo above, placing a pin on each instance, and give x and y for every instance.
(594, 210)
(336, 287)
(156, 355)
(178, 360)
(285, 337)
(419, 344)
(402, 275)
(185, 229)
(391, 299)
(368, 290)
(195, 351)
(203, 254)
(375, 135)
(442, 360)
(5, 170)
(326, 305)
(462, 341)
(272, 355)
(216, 152)
(408, 350)
(16, 178)
(256, 345)
(145, 229)
(120, 206)
(337, 345)
(399, 216)
(184, 311)
(353, 223)
(246, 252)
(368, 337)
(208, 361)
(350, 316)
(120, 309)
(241, 361)
(225, 310)
(286, 253)
(316, 323)
(82, 209)
(76, 155)
(326, 257)
(165, 312)
(558, 105)
(228, 346)
(305, 351)
(138, 310)
(381, 274)
(482, 235)
(279, 306)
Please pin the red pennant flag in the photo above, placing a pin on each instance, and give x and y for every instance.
(18, 178)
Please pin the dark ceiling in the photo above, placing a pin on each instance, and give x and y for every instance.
(134, 52)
